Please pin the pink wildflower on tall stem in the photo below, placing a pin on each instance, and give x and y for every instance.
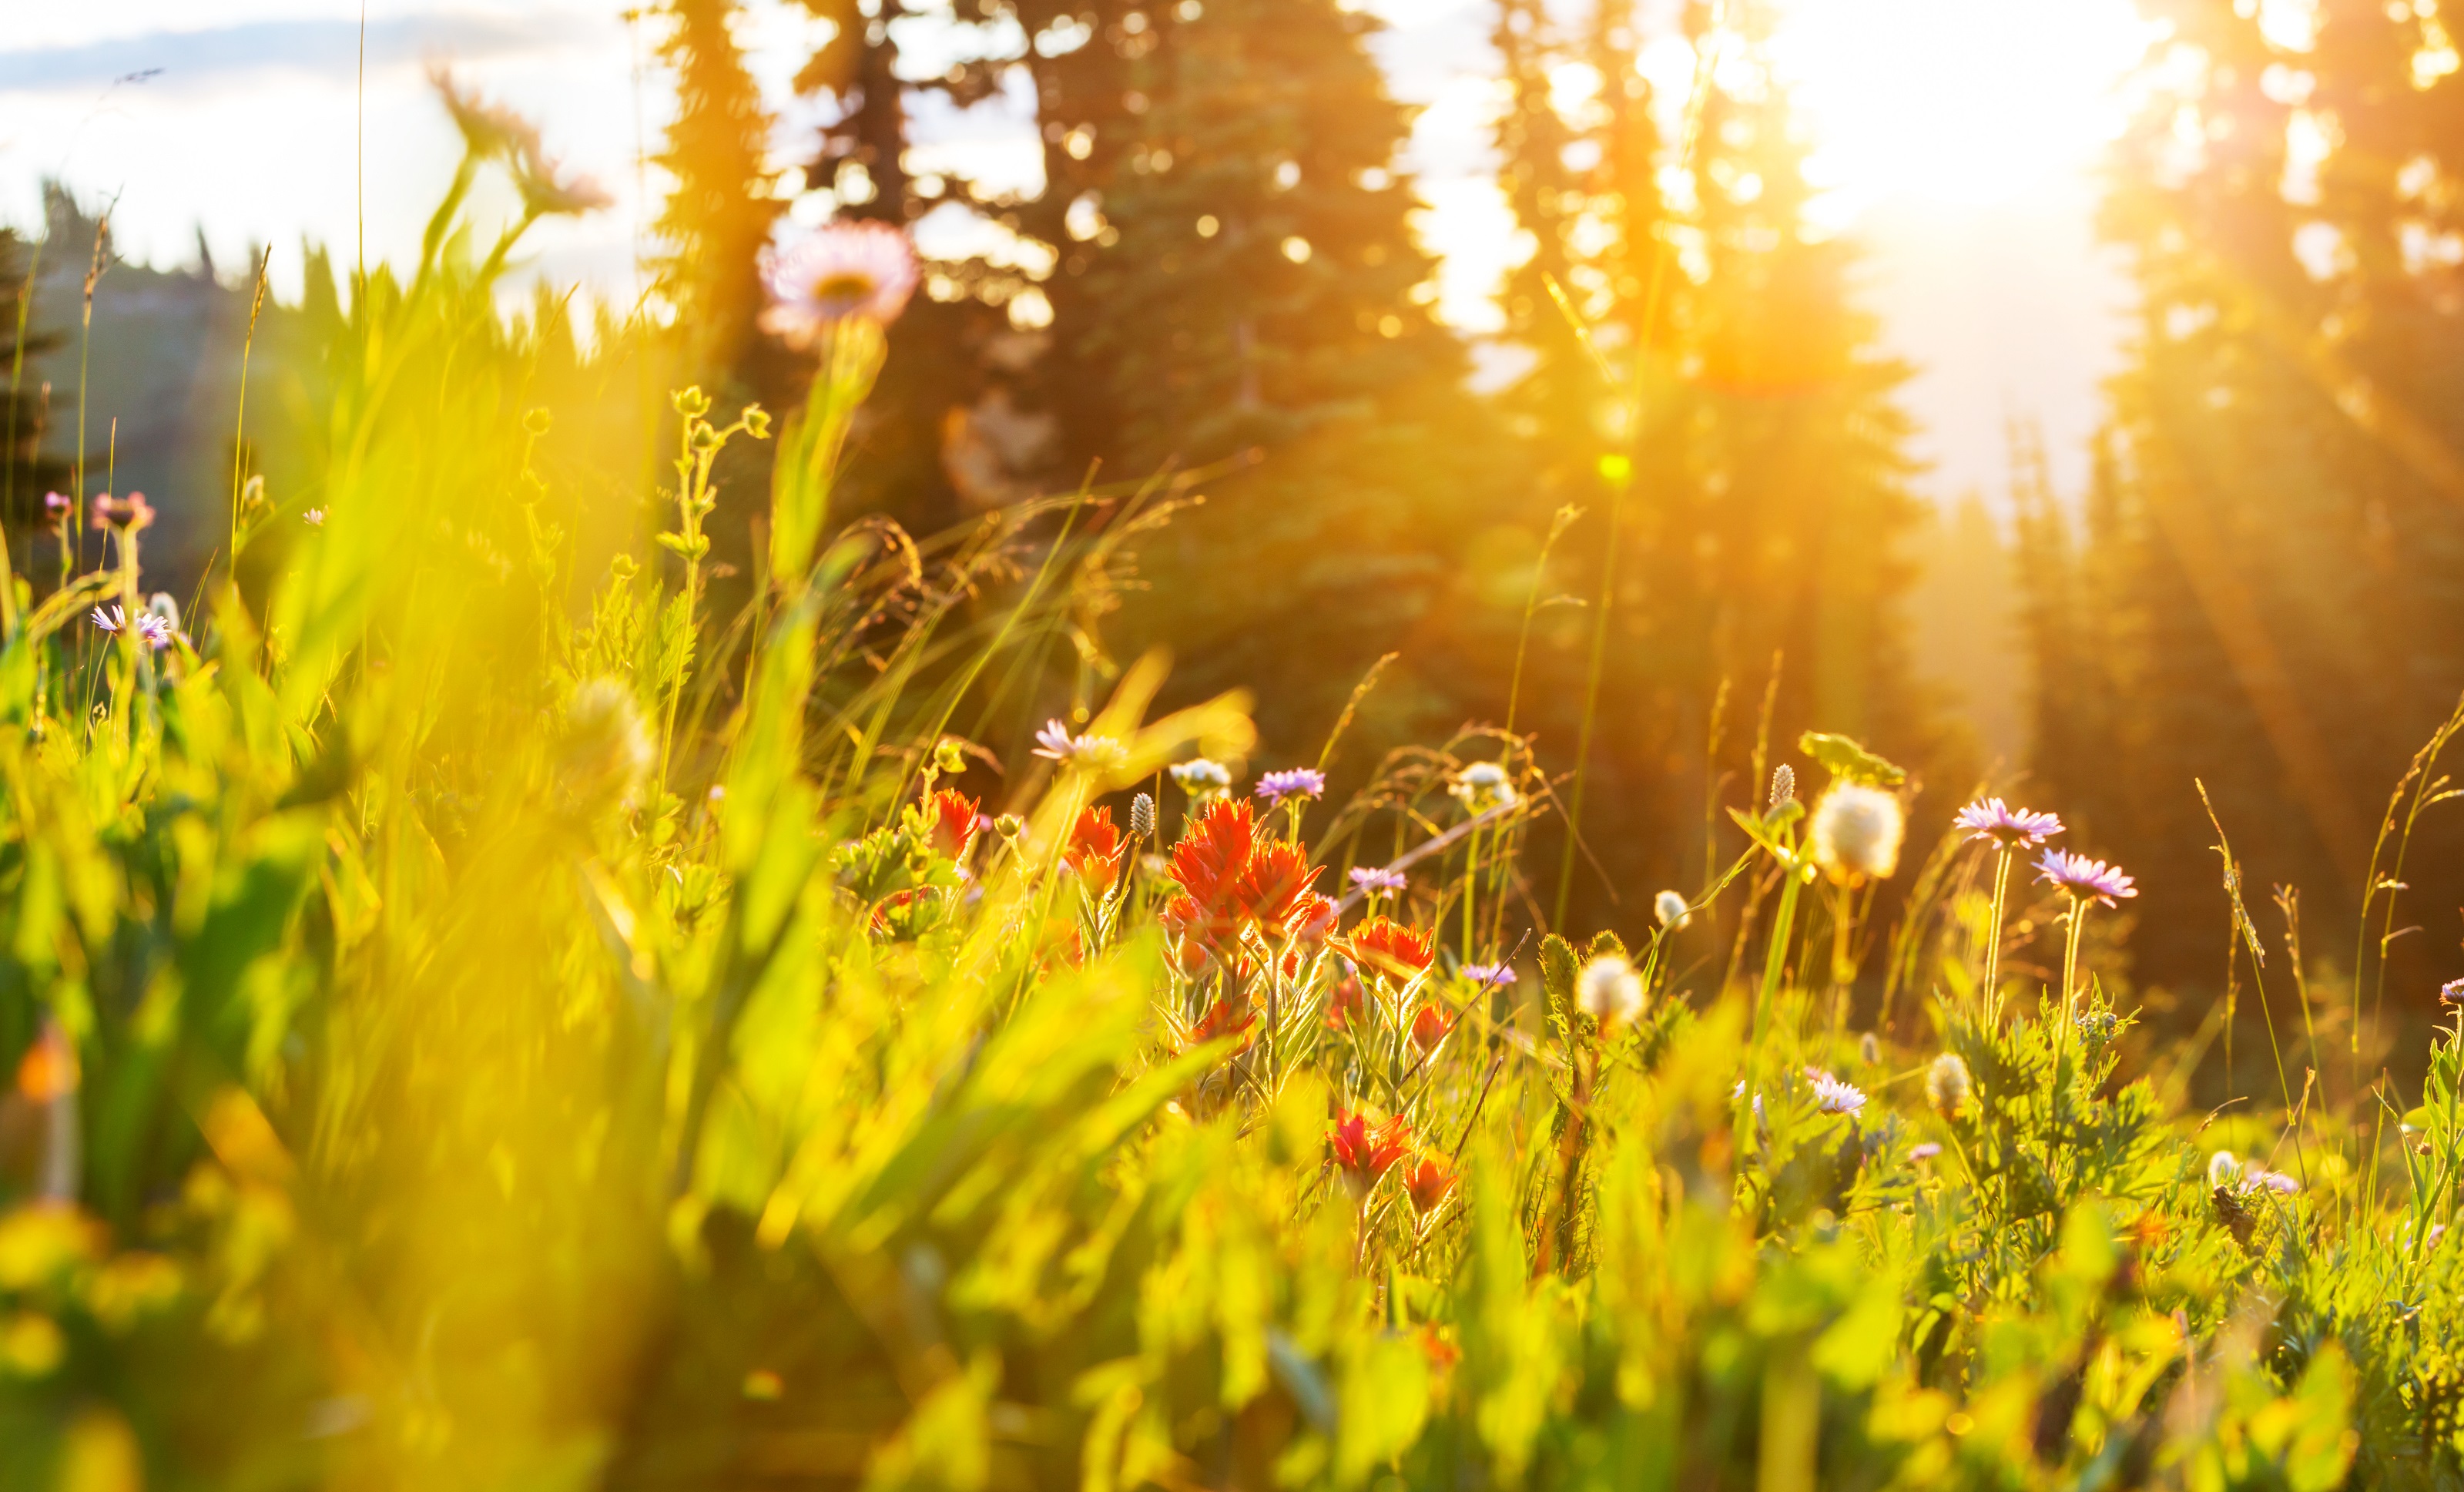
(2083, 881)
(2010, 830)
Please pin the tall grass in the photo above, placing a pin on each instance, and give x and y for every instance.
(465, 1035)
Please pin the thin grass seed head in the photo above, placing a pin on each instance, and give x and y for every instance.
(1670, 907)
(1610, 991)
(1783, 787)
(1857, 832)
(1142, 816)
(1869, 1050)
(1947, 1085)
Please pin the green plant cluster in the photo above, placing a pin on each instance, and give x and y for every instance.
(458, 1041)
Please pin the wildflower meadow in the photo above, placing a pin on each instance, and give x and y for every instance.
(483, 1013)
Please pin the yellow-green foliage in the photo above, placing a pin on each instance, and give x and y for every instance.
(465, 1040)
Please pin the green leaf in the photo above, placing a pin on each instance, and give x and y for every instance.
(1848, 762)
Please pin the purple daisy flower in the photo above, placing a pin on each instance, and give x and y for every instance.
(1054, 742)
(1292, 783)
(2084, 879)
(2011, 828)
(1489, 976)
(2451, 993)
(1926, 1151)
(847, 270)
(1833, 1096)
(1373, 879)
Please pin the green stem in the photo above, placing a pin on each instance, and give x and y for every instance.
(1992, 1001)
(1775, 965)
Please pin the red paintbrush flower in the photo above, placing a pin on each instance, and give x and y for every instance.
(1095, 849)
(1345, 1005)
(1210, 859)
(1390, 947)
(1365, 1150)
(1219, 1021)
(1429, 1027)
(1277, 877)
(952, 818)
(1430, 1182)
(1311, 918)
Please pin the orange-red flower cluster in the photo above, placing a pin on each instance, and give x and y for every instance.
(1390, 947)
(1430, 1183)
(1229, 879)
(952, 818)
(1219, 1022)
(1365, 1150)
(1095, 851)
(1430, 1027)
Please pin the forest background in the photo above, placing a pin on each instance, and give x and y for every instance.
(1215, 314)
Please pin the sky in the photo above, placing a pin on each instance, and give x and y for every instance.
(1957, 142)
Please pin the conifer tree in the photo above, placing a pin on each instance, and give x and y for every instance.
(26, 472)
(1254, 294)
(939, 363)
(718, 214)
(2286, 509)
(1769, 493)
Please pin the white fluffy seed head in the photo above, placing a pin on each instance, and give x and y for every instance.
(1610, 990)
(1857, 832)
(1670, 908)
(607, 751)
(1947, 1085)
(2223, 1170)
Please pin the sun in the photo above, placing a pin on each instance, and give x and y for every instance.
(1965, 102)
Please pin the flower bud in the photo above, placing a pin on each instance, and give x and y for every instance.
(1947, 1085)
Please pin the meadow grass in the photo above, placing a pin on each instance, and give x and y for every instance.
(465, 1037)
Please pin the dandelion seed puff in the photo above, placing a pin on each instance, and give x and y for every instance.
(1610, 990)
(1856, 834)
(2223, 1170)
(1947, 1085)
(1671, 910)
(1203, 780)
(1482, 786)
(1783, 786)
(607, 749)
